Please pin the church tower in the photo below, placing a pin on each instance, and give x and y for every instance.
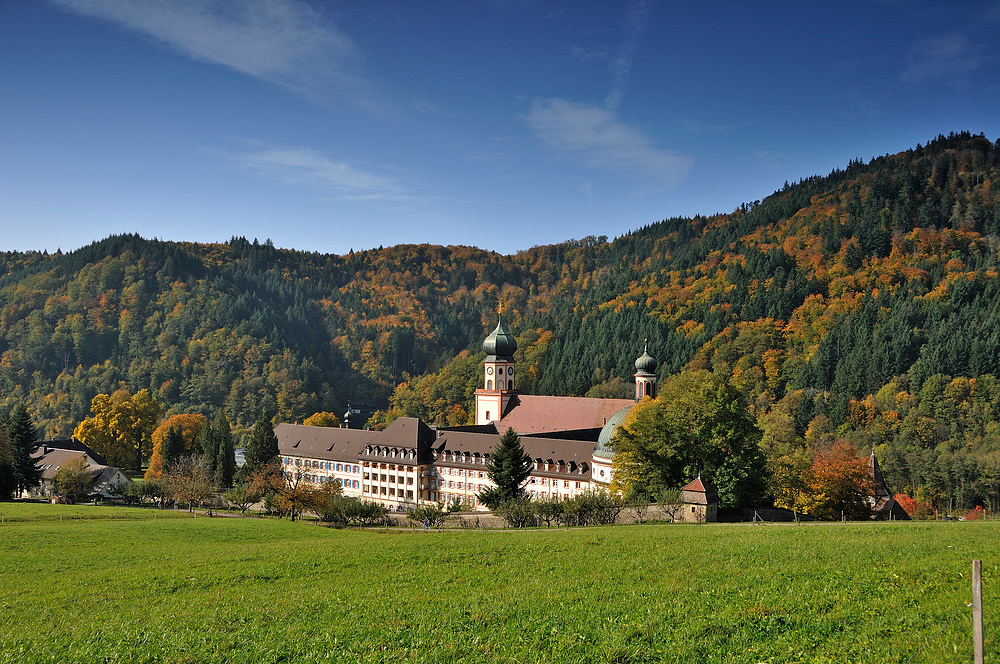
(498, 375)
(645, 375)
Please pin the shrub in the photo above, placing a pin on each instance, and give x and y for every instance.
(518, 513)
(435, 515)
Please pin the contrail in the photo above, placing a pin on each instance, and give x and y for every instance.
(635, 26)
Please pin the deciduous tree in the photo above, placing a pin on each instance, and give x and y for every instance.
(839, 483)
(699, 424)
(190, 481)
(121, 427)
(322, 419)
(74, 480)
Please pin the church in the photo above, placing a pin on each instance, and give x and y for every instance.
(411, 463)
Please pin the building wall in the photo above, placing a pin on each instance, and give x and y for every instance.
(321, 471)
(394, 485)
(404, 486)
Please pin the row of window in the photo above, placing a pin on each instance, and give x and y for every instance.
(390, 492)
(460, 458)
(452, 497)
(322, 465)
(391, 479)
(555, 482)
(389, 452)
(349, 468)
(323, 479)
(459, 471)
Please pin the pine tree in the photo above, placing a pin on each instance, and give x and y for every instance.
(225, 460)
(508, 469)
(8, 482)
(262, 447)
(24, 443)
(173, 447)
(209, 444)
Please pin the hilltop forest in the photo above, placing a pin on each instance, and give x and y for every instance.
(864, 304)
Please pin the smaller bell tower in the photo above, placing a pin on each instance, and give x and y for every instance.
(645, 374)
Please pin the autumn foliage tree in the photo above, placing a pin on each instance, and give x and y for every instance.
(322, 419)
(121, 427)
(839, 483)
(188, 425)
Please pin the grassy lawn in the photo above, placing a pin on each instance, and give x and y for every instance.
(149, 586)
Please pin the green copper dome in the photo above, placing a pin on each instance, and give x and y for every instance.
(500, 344)
(608, 431)
(646, 364)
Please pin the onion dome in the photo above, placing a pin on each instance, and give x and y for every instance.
(646, 364)
(500, 344)
(608, 431)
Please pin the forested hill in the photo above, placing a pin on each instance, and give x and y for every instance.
(872, 282)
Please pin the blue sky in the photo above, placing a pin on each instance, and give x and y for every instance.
(331, 126)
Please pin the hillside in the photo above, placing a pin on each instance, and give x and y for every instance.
(865, 300)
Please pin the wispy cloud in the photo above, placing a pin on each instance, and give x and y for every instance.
(621, 66)
(302, 166)
(699, 127)
(952, 56)
(285, 42)
(595, 136)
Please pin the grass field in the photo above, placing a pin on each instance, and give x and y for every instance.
(97, 584)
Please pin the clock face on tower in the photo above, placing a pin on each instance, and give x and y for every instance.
(489, 370)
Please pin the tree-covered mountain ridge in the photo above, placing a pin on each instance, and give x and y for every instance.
(854, 303)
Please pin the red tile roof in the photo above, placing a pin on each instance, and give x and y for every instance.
(527, 413)
(697, 485)
(699, 492)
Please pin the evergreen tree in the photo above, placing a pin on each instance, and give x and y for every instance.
(24, 443)
(262, 448)
(173, 447)
(508, 469)
(8, 482)
(225, 460)
(208, 443)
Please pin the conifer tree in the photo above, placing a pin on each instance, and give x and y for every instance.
(508, 469)
(208, 442)
(24, 442)
(262, 447)
(173, 447)
(8, 482)
(225, 460)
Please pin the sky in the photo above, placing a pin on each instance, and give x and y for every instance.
(332, 126)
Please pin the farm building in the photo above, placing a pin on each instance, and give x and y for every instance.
(54, 454)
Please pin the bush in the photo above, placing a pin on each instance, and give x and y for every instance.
(518, 513)
(594, 507)
(435, 515)
(549, 510)
(343, 511)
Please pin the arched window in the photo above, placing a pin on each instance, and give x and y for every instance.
(510, 384)
(489, 385)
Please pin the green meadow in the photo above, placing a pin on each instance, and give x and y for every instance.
(99, 584)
